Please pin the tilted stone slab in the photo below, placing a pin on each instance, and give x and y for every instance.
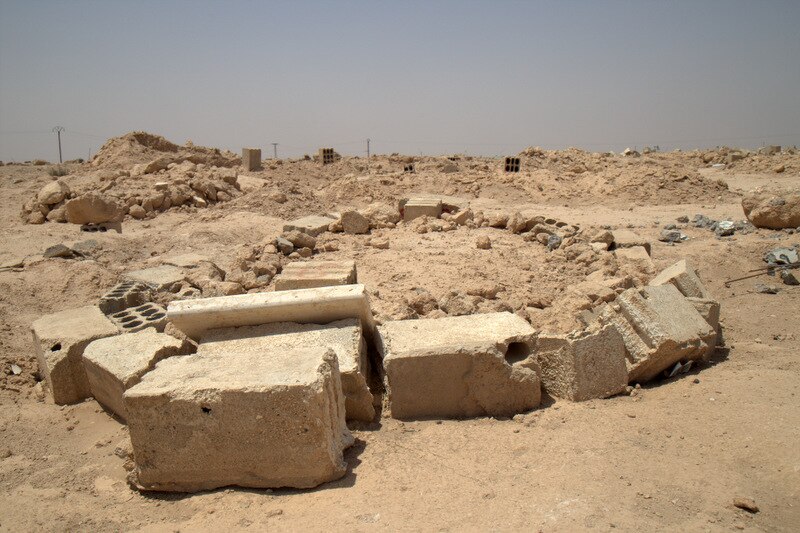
(684, 277)
(625, 238)
(582, 366)
(250, 418)
(305, 306)
(115, 364)
(60, 340)
(311, 274)
(312, 225)
(344, 337)
(458, 367)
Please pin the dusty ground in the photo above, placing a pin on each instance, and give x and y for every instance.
(672, 457)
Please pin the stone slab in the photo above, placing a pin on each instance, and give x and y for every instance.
(311, 274)
(250, 183)
(637, 258)
(418, 207)
(313, 225)
(253, 419)
(320, 305)
(625, 238)
(450, 204)
(684, 277)
(458, 367)
(160, 277)
(189, 260)
(60, 339)
(344, 337)
(114, 364)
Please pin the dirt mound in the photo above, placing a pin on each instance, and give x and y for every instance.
(140, 147)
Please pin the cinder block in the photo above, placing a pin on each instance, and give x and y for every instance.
(320, 305)
(307, 275)
(253, 419)
(417, 207)
(511, 164)
(344, 337)
(660, 328)
(149, 315)
(582, 366)
(60, 340)
(326, 156)
(124, 295)
(313, 225)
(251, 159)
(115, 364)
(453, 367)
(625, 238)
(409, 168)
(159, 278)
(683, 276)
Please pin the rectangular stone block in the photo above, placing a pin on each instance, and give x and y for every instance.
(159, 278)
(417, 207)
(253, 419)
(60, 340)
(660, 328)
(251, 159)
(344, 337)
(313, 225)
(307, 275)
(582, 366)
(124, 295)
(305, 306)
(637, 258)
(684, 277)
(460, 366)
(115, 364)
(625, 238)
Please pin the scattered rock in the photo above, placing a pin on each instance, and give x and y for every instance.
(483, 243)
(746, 504)
(93, 208)
(58, 250)
(354, 222)
(766, 210)
(53, 193)
(300, 239)
(137, 211)
(284, 246)
(766, 289)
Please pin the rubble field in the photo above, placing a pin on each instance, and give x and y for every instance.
(550, 340)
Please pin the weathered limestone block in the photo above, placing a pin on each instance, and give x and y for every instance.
(459, 366)
(660, 328)
(684, 277)
(344, 337)
(160, 277)
(313, 225)
(250, 418)
(635, 261)
(251, 159)
(578, 367)
(625, 238)
(307, 275)
(115, 364)
(60, 340)
(421, 206)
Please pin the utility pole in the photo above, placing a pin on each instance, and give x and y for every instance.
(275, 150)
(57, 130)
(367, 149)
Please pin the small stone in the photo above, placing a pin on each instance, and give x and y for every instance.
(58, 250)
(300, 239)
(284, 246)
(354, 222)
(137, 211)
(483, 243)
(766, 289)
(746, 504)
(788, 278)
(380, 243)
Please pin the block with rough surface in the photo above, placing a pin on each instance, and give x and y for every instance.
(635, 258)
(625, 238)
(684, 277)
(458, 367)
(250, 418)
(342, 336)
(578, 367)
(160, 277)
(320, 305)
(312, 224)
(418, 207)
(60, 340)
(115, 364)
(310, 274)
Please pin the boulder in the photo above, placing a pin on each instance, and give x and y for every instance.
(773, 211)
(93, 208)
(53, 193)
(354, 222)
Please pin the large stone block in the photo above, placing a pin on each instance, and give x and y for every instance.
(660, 328)
(115, 364)
(311, 274)
(251, 159)
(418, 207)
(684, 277)
(459, 366)
(625, 238)
(344, 337)
(305, 306)
(253, 418)
(582, 366)
(60, 340)
(635, 260)
(312, 224)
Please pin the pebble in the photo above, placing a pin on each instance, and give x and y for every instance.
(746, 504)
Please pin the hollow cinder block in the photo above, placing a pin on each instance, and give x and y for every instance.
(124, 295)
(149, 315)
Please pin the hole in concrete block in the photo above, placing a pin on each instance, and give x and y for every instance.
(157, 316)
(148, 311)
(517, 351)
(132, 324)
(126, 319)
(56, 347)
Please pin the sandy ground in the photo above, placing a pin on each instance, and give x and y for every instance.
(671, 457)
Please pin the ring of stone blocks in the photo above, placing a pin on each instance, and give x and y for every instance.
(149, 315)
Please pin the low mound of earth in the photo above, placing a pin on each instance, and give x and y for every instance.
(140, 147)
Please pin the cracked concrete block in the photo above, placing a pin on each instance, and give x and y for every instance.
(582, 366)
(625, 238)
(320, 305)
(344, 337)
(60, 340)
(421, 206)
(684, 277)
(124, 295)
(313, 225)
(149, 315)
(115, 364)
(307, 275)
(460, 366)
(250, 418)
(160, 278)
(660, 328)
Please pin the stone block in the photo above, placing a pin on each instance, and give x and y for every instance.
(251, 159)
(450, 204)
(149, 315)
(460, 366)
(344, 337)
(418, 207)
(511, 164)
(320, 305)
(636, 258)
(124, 295)
(313, 225)
(253, 419)
(709, 309)
(625, 238)
(582, 366)
(115, 364)
(660, 328)
(683, 276)
(60, 340)
(327, 156)
(159, 278)
(307, 275)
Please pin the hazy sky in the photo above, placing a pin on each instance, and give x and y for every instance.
(485, 77)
